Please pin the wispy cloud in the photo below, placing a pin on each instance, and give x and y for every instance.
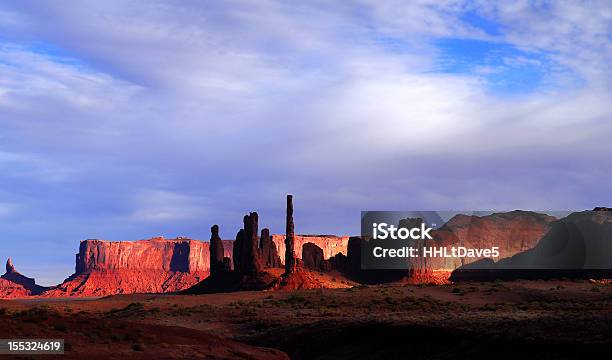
(7, 209)
(161, 206)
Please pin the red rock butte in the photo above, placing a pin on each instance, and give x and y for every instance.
(156, 265)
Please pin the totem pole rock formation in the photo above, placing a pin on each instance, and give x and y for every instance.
(250, 256)
(290, 258)
(267, 250)
(9, 266)
(216, 251)
(295, 277)
(246, 247)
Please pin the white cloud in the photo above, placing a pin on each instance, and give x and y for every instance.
(183, 83)
(573, 33)
(154, 205)
(30, 166)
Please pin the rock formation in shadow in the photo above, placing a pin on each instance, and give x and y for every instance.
(248, 272)
(216, 251)
(352, 268)
(267, 251)
(291, 264)
(247, 246)
(577, 246)
(312, 258)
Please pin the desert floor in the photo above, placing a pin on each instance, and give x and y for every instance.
(526, 319)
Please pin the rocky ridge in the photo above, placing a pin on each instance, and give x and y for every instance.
(15, 285)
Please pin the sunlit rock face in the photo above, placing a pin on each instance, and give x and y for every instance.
(330, 244)
(11, 290)
(156, 265)
(181, 254)
(161, 265)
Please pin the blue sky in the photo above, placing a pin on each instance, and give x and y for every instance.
(131, 119)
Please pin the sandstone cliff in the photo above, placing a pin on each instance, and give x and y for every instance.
(330, 244)
(182, 255)
(512, 232)
(161, 265)
(111, 282)
(577, 246)
(11, 290)
(156, 265)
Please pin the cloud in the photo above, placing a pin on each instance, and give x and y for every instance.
(161, 205)
(572, 33)
(7, 209)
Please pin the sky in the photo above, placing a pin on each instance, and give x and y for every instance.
(132, 119)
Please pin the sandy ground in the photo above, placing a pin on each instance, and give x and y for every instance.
(531, 319)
